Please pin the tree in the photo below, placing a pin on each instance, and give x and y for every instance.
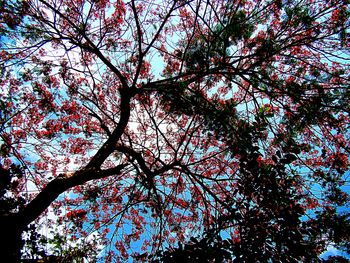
(199, 130)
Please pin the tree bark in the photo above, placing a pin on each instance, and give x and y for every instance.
(11, 238)
(12, 226)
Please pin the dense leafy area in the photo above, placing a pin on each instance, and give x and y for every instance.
(174, 131)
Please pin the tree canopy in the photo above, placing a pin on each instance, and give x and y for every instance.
(174, 131)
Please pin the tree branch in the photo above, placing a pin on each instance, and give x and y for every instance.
(59, 185)
(109, 146)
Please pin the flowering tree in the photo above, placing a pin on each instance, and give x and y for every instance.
(193, 130)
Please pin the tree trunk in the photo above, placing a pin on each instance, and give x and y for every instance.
(11, 239)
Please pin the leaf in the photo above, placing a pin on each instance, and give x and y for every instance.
(274, 158)
(290, 157)
(278, 153)
(194, 240)
(285, 161)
